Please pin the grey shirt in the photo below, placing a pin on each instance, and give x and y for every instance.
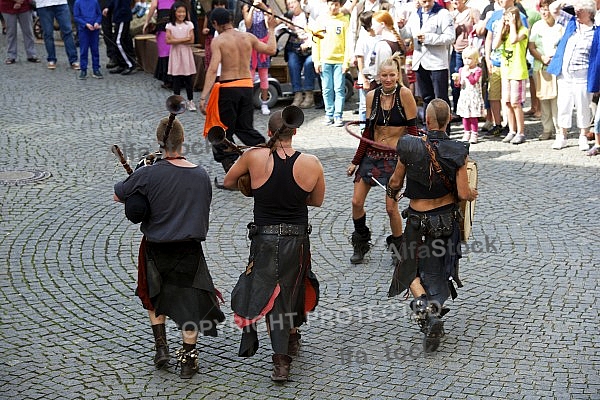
(179, 199)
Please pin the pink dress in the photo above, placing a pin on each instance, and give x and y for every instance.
(181, 57)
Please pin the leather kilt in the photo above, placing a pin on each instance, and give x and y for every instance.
(278, 280)
(180, 286)
(431, 250)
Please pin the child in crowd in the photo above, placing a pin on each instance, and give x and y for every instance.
(180, 33)
(88, 16)
(255, 22)
(331, 58)
(365, 44)
(470, 103)
(513, 42)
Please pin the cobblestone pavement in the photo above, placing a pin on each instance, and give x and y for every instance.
(525, 325)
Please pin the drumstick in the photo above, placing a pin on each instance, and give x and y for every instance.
(318, 34)
(376, 181)
(117, 152)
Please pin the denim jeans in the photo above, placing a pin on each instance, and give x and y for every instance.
(362, 106)
(332, 77)
(63, 16)
(597, 122)
(296, 63)
(456, 62)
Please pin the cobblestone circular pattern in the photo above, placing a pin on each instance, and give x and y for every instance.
(22, 177)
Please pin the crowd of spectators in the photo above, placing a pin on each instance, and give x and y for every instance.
(550, 46)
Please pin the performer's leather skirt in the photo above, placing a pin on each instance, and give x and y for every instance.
(180, 286)
(430, 250)
(278, 282)
(379, 164)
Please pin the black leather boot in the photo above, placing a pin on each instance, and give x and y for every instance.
(360, 245)
(433, 333)
(428, 317)
(188, 359)
(281, 367)
(294, 344)
(162, 357)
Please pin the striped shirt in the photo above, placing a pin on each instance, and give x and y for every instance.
(577, 52)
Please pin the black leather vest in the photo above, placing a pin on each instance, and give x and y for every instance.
(422, 182)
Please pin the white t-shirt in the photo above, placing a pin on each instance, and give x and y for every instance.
(546, 39)
(48, 3)
(365, 46)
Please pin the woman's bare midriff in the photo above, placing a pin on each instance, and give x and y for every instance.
(423, 205)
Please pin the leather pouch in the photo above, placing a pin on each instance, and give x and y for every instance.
(439, 226)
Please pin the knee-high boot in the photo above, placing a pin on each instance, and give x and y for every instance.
(360, 245)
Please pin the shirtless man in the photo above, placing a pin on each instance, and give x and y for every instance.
(230, 104)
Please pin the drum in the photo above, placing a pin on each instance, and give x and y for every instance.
(467, 208)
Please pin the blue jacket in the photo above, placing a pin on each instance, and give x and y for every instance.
(594, 69)
(87, 12)
(555, 66)
(593, 77)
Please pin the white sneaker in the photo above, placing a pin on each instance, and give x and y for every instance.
(338, 122)
(264, 109)
(559, 143)
(509, 136)
(474, 138)
(518, 139)
(191, 106)
(583, 143)
(327, 121)
(466, 136)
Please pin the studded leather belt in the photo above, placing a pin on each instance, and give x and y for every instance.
(281, 229)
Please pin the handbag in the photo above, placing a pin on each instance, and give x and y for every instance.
(545, 84)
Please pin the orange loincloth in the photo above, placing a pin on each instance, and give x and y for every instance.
(213, 117)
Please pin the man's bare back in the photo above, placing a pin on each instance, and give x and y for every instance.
(233, 51)
(234, 46)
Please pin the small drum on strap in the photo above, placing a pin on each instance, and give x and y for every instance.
(467, 208)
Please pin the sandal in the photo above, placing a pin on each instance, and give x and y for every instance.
(10, 61)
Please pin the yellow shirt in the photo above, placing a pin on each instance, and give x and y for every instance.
(333, 48)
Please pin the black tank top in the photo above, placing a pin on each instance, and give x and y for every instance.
(395, 116)
(280, 199)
